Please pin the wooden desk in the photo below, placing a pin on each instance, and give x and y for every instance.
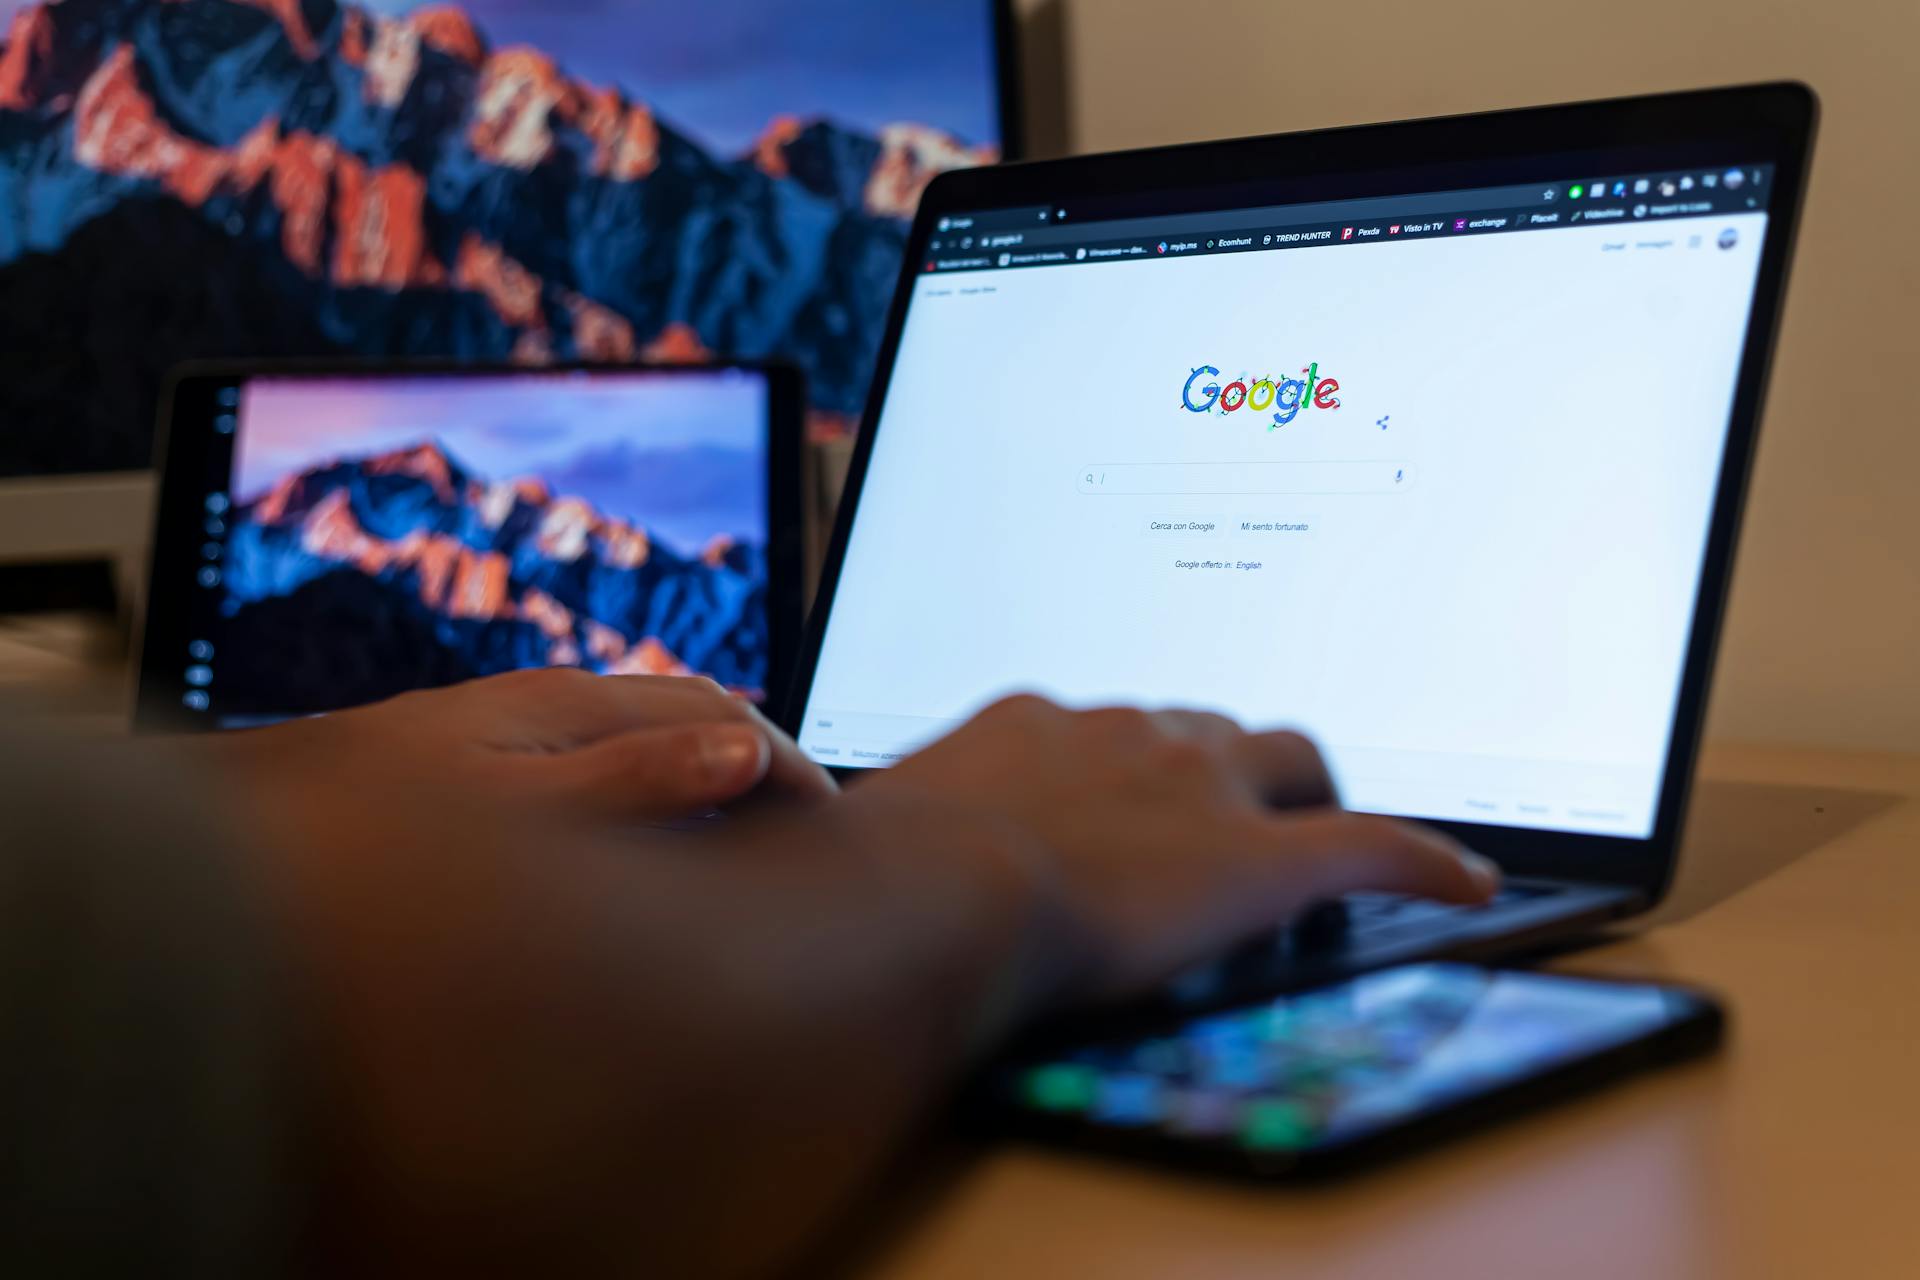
(1796, 1153)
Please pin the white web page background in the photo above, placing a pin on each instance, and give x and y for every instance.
(1497, 637)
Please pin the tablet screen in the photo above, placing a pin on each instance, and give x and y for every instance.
(360, 536)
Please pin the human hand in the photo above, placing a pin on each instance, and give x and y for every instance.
(1168, 836)
(596, 747)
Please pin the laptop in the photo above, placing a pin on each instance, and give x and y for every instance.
(1427, 439)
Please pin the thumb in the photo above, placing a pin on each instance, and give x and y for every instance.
(660, 773)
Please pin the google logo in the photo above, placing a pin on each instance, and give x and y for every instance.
(1286, 397)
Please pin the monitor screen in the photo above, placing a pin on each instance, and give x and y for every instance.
(362, 536)
(483, 180)
(1429, 477)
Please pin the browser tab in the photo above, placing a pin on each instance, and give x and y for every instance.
(1022, 238)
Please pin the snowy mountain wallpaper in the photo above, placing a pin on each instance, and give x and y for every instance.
(524, 179)
(392, 534)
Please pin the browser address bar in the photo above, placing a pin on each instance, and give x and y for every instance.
(1198, 478)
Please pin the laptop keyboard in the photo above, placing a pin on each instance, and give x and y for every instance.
(1347, 935)
(1371, 917)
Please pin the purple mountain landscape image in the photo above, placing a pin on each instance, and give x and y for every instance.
(391, 534)
(187, 178)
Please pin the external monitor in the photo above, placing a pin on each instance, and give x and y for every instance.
(493, 180)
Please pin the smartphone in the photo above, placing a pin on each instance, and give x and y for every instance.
(1325, 1081)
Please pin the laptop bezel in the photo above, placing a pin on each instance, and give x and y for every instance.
(1759, 124)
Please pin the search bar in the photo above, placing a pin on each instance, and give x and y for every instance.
(1199, 478)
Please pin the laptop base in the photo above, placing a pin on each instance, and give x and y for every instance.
(1379, 931)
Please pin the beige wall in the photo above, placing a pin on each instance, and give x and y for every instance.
(1823, 639)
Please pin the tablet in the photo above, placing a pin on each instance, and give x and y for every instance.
(329, 536)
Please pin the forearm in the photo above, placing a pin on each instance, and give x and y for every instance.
(876, 951)
(147, 1096)
(736, 1029)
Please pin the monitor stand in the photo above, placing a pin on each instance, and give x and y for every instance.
(106, 516)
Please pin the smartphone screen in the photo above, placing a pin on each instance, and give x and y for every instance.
(1278, 1082)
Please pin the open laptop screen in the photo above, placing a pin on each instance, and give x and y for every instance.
(1427, 477)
